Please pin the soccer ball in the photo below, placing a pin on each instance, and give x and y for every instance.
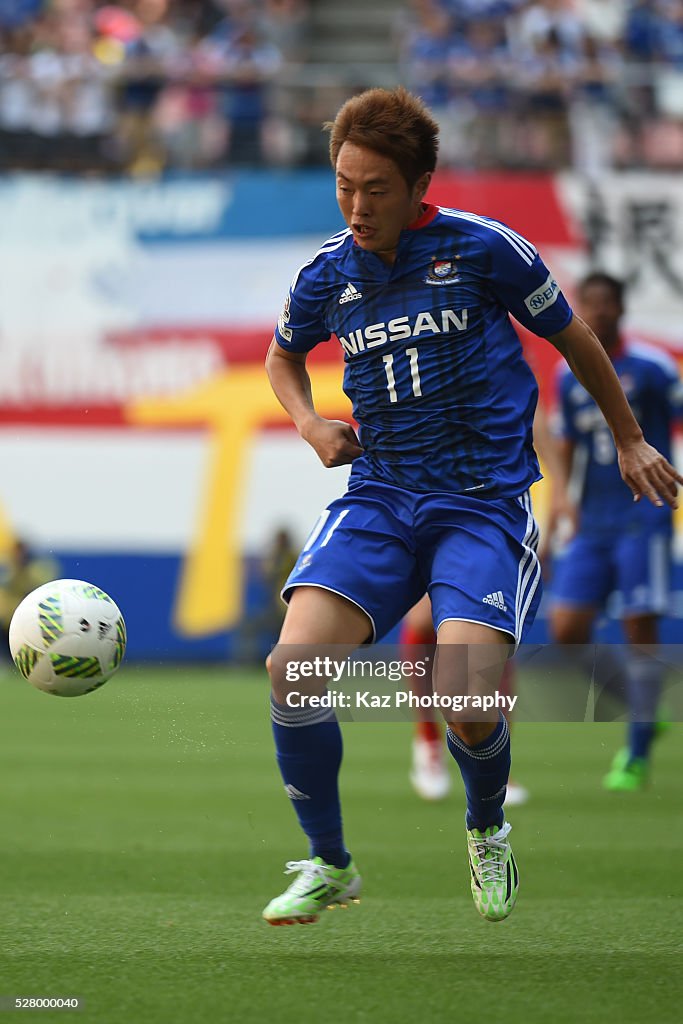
(67, 637)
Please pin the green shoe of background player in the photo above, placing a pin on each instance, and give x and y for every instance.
(495, 879)
(317, 886)
(627, 775)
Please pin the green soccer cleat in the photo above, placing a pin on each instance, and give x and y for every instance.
(318, 886)
(627, 775)
(495, 879)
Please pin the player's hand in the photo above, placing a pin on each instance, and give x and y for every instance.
(561, 525)
(648, 474)
(563, 515)
(334, 441)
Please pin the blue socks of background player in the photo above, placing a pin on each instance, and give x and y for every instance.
(607, 666)
(634, 677)
(309, 752)
(644, 678)
(485, 769)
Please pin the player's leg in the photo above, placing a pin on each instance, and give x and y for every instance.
(583, 577)
(643, 580)
(485, 589)
(470, 663)
(355, 578)
(644, 676)
(308, 744)
(429, 774)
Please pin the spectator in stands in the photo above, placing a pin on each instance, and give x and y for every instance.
(641, 30)
(663, 136)
(17, 141)
(14, 13)
(550, 19)
(150, 58)
(594, 109)
(71, 102)
(243, 63)
(603, 20)
(480, 69)
(283, 24)
(425, 44)
(547, 72)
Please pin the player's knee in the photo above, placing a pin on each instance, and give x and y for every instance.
(565, 633)
(282, 678)
(565, 630)
(472, 733)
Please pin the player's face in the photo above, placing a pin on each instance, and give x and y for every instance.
(602, 311)
(375, 199)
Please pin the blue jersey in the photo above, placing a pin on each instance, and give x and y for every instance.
(651, 384)
(434, 368)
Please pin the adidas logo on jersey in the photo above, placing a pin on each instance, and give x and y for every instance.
(497, 600)
(295, 794)
(350, 294)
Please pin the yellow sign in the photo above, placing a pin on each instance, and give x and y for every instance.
(234, 406)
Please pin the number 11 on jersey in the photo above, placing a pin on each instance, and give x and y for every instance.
(414, 374)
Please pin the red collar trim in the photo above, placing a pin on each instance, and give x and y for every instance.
(428, 214)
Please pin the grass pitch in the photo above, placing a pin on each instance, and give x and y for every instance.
(144, 828)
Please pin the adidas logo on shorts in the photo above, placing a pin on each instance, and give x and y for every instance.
(497, 600)
(349, 294)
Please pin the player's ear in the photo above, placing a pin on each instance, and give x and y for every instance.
(421, 186)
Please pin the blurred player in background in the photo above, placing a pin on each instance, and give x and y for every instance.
(620, 545)
(418, 297)
(21, 571)
(261, 626)
(429, 774)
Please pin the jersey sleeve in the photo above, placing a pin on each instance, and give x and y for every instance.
(300, 326)
(523, 283)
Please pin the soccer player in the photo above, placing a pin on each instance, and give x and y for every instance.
(418, 297)
(620, 545)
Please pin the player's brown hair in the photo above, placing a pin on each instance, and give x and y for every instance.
(392, 122)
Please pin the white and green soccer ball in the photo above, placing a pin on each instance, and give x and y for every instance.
(67, 637)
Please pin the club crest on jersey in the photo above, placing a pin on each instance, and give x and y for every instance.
(442, 271)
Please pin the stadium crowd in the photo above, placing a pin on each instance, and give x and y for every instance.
(551, 83)
(145, 85)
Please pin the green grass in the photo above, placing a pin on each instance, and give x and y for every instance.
(144, 827)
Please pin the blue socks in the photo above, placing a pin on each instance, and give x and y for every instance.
(644, 677)
(634, 677)
(309, 753)
(485, 769)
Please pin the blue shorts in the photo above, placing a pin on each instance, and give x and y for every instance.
(634, 563)
(382, 547)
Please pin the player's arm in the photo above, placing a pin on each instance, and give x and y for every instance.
(557, 456)
(547, 447)
(334, 441)
(643, 469)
